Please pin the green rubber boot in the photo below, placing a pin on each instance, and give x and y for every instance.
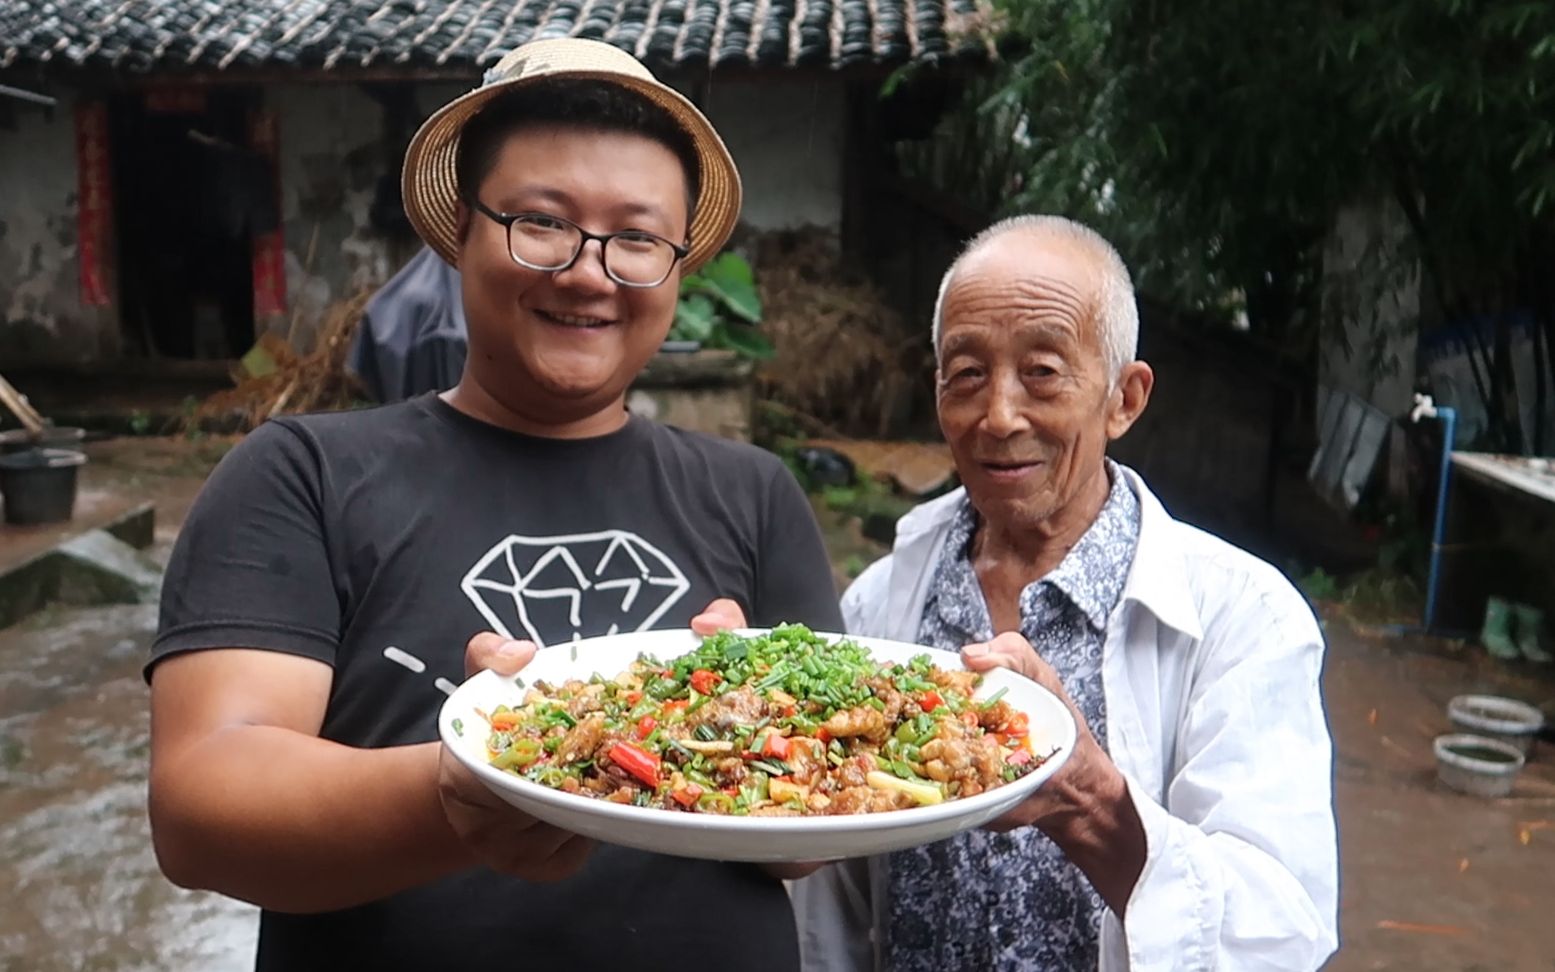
(1496, 636)
(1530, 621)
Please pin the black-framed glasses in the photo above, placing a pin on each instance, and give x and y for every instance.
(549, 243)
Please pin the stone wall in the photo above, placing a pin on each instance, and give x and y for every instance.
(334, 152)
(40, 307)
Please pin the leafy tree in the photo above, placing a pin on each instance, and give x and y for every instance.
(1217, 143)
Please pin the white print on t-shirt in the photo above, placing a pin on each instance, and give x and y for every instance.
(400, 656)
(614, 578)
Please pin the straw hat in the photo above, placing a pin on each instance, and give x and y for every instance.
(431, 189)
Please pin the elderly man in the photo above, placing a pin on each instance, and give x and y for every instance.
(1192, 827)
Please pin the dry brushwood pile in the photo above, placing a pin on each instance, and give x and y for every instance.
(844, 359)
(275, 379)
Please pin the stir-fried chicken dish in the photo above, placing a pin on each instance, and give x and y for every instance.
(785, 724)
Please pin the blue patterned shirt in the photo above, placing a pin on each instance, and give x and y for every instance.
(984, 901)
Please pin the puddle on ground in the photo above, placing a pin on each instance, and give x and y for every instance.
(75, 848)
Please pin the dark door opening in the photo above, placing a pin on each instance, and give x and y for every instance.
(191, 196)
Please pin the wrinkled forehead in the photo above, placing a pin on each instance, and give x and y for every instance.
(1024, 280)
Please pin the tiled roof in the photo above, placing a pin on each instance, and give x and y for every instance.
(181, 35)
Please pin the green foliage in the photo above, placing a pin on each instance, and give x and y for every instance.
(1217, 146)
(1319, 585)
(720, 307)
(190, 421)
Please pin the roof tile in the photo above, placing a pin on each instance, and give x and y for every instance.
(179, 35)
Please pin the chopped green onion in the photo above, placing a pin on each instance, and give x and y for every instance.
(988, 702)
(772, 766)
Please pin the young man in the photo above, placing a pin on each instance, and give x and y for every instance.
(324, 588)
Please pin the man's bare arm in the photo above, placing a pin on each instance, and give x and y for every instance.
(247, 800)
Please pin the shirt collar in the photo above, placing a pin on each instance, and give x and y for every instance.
(1158, 580)
(1092, 574)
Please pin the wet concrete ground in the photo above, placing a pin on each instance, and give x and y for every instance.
(1432, 879)
(83, 890)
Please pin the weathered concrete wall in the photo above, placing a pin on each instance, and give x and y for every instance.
(40, 307)
(333, 151)
(787, 137)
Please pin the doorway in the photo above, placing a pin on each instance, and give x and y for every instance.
(191, 197)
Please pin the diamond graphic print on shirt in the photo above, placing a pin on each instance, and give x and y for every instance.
(617, 580)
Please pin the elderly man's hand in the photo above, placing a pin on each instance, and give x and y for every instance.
(502, 837)
(1089, 771)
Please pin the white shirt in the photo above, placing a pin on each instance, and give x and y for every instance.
(1211, 676)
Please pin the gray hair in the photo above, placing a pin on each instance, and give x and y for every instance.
(1117, 313)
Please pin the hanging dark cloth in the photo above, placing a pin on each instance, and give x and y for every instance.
(412, 338)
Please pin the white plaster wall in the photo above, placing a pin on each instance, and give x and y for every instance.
(40, 307)
(787, 138)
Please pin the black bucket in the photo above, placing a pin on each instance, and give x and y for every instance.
(39, 485)
(20, 440)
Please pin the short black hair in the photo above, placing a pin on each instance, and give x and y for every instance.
(586, 104)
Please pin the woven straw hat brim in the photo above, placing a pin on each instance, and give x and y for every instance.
(431, 188)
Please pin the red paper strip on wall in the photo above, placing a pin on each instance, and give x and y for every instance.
(94, 202)
(269, 257)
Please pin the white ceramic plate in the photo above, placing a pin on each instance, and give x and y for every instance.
(727, 838)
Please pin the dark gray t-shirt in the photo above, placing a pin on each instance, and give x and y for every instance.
(380, 541)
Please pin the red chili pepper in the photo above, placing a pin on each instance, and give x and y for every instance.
(705, 681)
(633, 697)
(823, 735)
(646, 725)
(1018, 725)
(1019, 758)
(775, 745)
(687, 795)
(674, 705)
(636, 761)
(931, 700)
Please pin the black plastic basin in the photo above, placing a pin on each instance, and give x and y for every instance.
(39, 485)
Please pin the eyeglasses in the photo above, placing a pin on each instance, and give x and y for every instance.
(549, 243)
